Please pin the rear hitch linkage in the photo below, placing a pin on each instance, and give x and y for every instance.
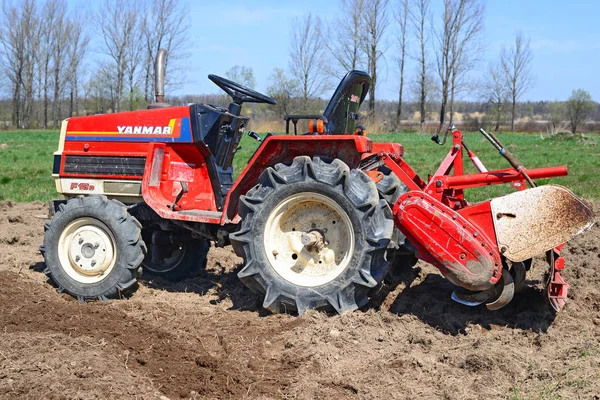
(483, 248)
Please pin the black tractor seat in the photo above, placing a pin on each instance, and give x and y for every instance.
(341, 114)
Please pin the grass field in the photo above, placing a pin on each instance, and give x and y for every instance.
(26, 160)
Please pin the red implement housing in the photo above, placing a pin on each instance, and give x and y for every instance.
(460, 239)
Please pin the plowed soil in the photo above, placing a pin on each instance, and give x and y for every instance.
(208, 337)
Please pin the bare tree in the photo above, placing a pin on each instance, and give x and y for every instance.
(579, 106)
(51, 10)
(282, 89)
(457, 46)
(556, 117)
(166, 25)
(38, 58)
(344, 40)
(516, 63)
(241, 74)
(418, 17)
(375, 23)
(14, 48)
(117, 20)
(133, 53)
(306, 57)
(31, 30)
(78, 46)
(402, 20)
(60, 51)
(493, 91)
(99, 90)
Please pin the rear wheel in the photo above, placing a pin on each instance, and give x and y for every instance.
(313, 236)
(400, 252)
(93, 248)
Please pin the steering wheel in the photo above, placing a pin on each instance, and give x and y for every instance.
(241, 94)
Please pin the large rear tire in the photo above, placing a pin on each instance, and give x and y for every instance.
(93, 248)
(313, 236)
(400, 251)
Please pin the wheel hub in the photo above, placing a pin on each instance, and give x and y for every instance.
(87, 250)
(313, 240)
(309, 239)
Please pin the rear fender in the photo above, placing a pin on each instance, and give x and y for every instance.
(167, 169)
(278, 149)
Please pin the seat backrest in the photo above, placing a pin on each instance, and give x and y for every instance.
(341, 112)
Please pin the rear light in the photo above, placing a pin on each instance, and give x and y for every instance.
(316, 126)
(360, 130)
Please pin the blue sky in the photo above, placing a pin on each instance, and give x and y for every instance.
(565, 38)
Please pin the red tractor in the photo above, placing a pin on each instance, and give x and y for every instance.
(319, 218)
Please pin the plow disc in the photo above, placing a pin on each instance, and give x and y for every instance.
(530, 222)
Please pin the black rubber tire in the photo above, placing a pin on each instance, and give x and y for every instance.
(130, 248)
(193, 262)
(371, 220)
(390, 188)
(399, 252)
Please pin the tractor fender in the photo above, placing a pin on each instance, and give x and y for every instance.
(283, 149)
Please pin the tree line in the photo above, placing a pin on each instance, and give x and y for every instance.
(51, 71)
(434, 52)
(57, 62)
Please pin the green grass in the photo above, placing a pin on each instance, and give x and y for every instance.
(26, 165)
(26, 160)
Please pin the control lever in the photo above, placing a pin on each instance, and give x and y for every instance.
(184, 190)
(512, 160)
(255, 136)
(436, 137)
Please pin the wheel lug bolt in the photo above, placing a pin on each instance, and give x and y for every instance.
(96, 245)
(77, 258)
(80, 240)
(93, 263)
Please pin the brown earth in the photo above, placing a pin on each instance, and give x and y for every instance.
(208, 337)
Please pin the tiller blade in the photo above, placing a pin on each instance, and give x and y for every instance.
(473, 299)
(505, 289)
(502, 293)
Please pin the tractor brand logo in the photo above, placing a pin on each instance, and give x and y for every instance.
(153, 130)
(147, 130)
(354, 98)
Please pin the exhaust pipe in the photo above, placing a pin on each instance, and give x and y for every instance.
(159, 80)
(159, 75)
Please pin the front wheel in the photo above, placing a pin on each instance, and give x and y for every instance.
(93, 248)
(313, 235)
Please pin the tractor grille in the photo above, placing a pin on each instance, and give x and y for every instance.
(94, 165)
(129, 188)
